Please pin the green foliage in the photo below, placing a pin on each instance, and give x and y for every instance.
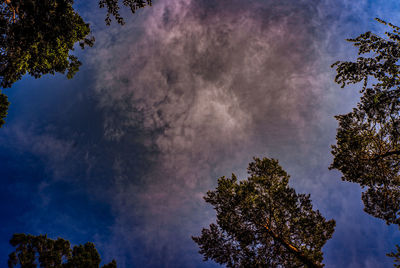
(45, 252)
(113, 8)
(40, 38)
(262, 222)
(368, 139)
(37, 37)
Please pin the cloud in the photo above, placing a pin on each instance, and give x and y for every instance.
(206, 77)
(212, 84)
(52, 150)
(191, 91)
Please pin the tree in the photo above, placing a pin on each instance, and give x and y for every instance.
(367, 151)
(45, 252)
(113, 8)
(396, 256)
(4, 103)
(262, 222)
(38, 36)
(368, 139)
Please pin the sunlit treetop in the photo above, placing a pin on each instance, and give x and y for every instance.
(37, 37)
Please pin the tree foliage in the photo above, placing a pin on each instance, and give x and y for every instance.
(37, 37)
(396, 256)
(368, 138)
(262, 222)
(113, 8)
(32, 251)
(4, 103)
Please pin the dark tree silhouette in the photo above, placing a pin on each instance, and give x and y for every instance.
(4, 103)
(113, 8)
(262, 222)
(396, 256)
(368, 139)
(32, 251)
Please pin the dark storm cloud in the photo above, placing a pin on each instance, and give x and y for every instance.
(211, 76)
(213, 83)
(189, 92)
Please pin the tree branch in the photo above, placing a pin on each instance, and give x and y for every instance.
(300, 255)
(377, 156)
(13, 9)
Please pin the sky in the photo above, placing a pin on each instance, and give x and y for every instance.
(185, 92)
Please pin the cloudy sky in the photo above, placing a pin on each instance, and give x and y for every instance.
(186, 92)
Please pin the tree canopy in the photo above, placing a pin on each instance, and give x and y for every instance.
(38, 37)
(368, 138)
(48, 253)
(262, 222)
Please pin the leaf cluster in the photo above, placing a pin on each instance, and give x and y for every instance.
(262, 222)
(396, 256)
(368, 138)
(4, 103)
(37, 37)
(113, 8)
(32, 251)
(40, 38)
